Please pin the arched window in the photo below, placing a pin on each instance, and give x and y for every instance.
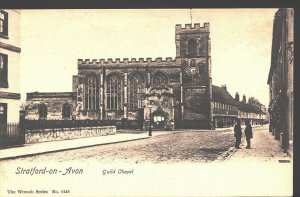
(66, 111)
(136, 85)
(92, 93)
(192, 46)
(42, 109)
(159, 80)
(114, 92)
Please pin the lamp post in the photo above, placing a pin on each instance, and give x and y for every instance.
(150, 126)
(150, 119)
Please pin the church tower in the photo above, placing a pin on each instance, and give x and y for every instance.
(193, 55)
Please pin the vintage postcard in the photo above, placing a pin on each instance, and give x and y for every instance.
(146, 102)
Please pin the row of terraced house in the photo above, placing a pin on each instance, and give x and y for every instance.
(281, 79)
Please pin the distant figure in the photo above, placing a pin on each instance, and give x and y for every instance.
(237, 134)
(248, 134)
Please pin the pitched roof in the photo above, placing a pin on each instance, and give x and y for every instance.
(246, 107)
(220, 94)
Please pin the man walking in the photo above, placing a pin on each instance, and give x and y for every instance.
(237, 134)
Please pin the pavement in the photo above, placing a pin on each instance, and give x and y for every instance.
(264, 148)
(63, 145)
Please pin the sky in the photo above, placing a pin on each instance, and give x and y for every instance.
(53, 40)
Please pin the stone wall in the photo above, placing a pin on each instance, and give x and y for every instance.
(35, 136)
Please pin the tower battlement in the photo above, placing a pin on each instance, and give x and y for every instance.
(192, 27)
(109, 61)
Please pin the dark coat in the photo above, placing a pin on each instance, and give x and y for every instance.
(248, 132)
(237, 131)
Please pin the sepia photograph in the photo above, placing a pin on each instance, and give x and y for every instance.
(146, 102)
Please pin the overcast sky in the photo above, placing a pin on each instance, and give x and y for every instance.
(53, 40)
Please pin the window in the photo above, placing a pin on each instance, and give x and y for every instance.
(136, 85)
(114, 92)
(195, 101)
(66, 111)
(3, 71)
(192, 46)
(3, 114)
(42, 109)
(159, 80)
(158, 118)
(3, 23)
(91, 92)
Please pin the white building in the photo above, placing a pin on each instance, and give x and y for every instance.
(9, 66)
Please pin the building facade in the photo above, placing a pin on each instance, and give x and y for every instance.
(51, 106)
(9, 66)
(252, 110)
(225, 108)
(281, 79)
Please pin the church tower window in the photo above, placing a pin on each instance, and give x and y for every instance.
(192, 46)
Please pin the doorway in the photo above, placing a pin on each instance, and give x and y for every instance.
(140, 118)
(3, 117)
(159, 119)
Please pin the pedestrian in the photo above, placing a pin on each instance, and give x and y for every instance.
(248, 134)
(237, 134)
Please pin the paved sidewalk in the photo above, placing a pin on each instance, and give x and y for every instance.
(264, 148)
(55, 146)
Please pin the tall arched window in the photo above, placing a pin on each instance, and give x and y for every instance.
(136, 85)
(114, 92)
(66, 111)
(42, 110)
(159, 80)
(92, 92)
(192, 46)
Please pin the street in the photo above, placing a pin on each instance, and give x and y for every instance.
(173, 147)
(187, 146)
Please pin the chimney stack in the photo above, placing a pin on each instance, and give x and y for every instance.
(224, 86)
(244, 98)
(237, 97)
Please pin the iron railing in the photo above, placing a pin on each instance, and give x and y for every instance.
(11, 134)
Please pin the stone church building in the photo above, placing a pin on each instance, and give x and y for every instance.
(176, 92)
(173, 93)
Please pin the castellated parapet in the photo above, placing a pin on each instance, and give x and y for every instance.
(189, 28)
(126, 61)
